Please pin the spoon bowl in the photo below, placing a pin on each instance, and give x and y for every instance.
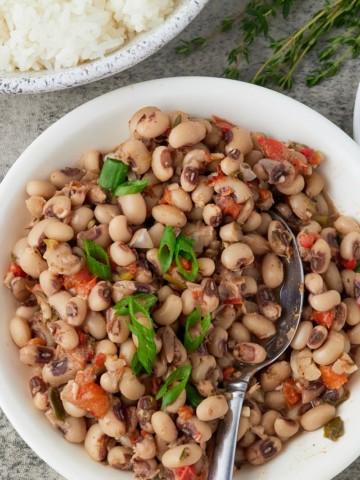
(291, 297)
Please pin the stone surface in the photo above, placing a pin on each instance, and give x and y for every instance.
(24, 117)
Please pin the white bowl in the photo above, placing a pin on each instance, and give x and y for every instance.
(140, 47)
(102, 124)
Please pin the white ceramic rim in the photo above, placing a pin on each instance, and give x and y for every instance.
(139, 48)
(255, 108)
(356, 126)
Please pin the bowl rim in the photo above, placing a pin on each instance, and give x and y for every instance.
(25, 426)
(142, 46)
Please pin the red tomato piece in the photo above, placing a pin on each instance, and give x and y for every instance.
(228, 206)
(307, 239)
(186, 265)
(186, 473)
(291, 392)
(185, 412)
(331, 378)
(349, 264)
(324, 318)
(16, 270)
(223, 124)
(273, 148)
(82, 282)
(92, 398)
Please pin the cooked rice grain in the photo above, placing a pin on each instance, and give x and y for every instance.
(38, 34)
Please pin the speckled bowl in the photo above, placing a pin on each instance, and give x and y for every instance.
(140, 47)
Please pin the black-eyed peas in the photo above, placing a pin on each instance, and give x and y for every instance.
(95, 335)
(35, 205)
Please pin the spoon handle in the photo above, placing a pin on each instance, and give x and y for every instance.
(222, 464)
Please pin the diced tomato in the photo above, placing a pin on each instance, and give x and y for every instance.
(185, 412)
(132, 268)
(228, 206)
(186, 473)
(233, 301)
(82, 282)
(186, 265)
(324, 318)
(291, 392)
(155, 384)
(264, 193)
(92, 398)
(83, 337)
(349, 264)
(307, 239)
(196, 294)
(278, 151)
(312, 156)
(166, 197)
(228, 373)
(144, 433)
(132, 438)
(37, 341)
(100, 359)
(331, 378)
(16, 270)
(223, 124)
(273, 148)
(215, 178)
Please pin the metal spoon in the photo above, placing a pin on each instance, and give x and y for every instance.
(291, 300)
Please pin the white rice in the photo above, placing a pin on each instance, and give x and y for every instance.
(54, 34)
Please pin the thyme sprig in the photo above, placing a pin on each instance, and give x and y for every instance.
(334, 31)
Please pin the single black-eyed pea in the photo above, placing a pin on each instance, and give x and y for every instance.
(133, 207)
(50, 282)
(169, 215)
(62, 177)
(317, 417)
(105, 212)
(272, 270)
(41, 188)
(130, 386)
(96, 442)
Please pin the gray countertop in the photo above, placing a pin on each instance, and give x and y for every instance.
(23, 118)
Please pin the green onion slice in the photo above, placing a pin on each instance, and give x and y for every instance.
(97, 260)
(170, 393)
(56, 404)
(192, 344)
(146, 352)
(130, 187)
(193, 397)
(167, 248)
(136, 366)
(146, 299)
(185, 258)
(357, 268)
(113, 174)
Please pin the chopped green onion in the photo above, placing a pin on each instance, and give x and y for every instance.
(146, 299)
(97, 260)
(357, 268)
(334, 429)
(170, 393)
(184, 250)
(56, 404)
(193, 397)
(130, 187)
(167, 248)
(146, 352)
(136, 366)
(175, 282)
(192, 344)
(113, 174)
(177, 121)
